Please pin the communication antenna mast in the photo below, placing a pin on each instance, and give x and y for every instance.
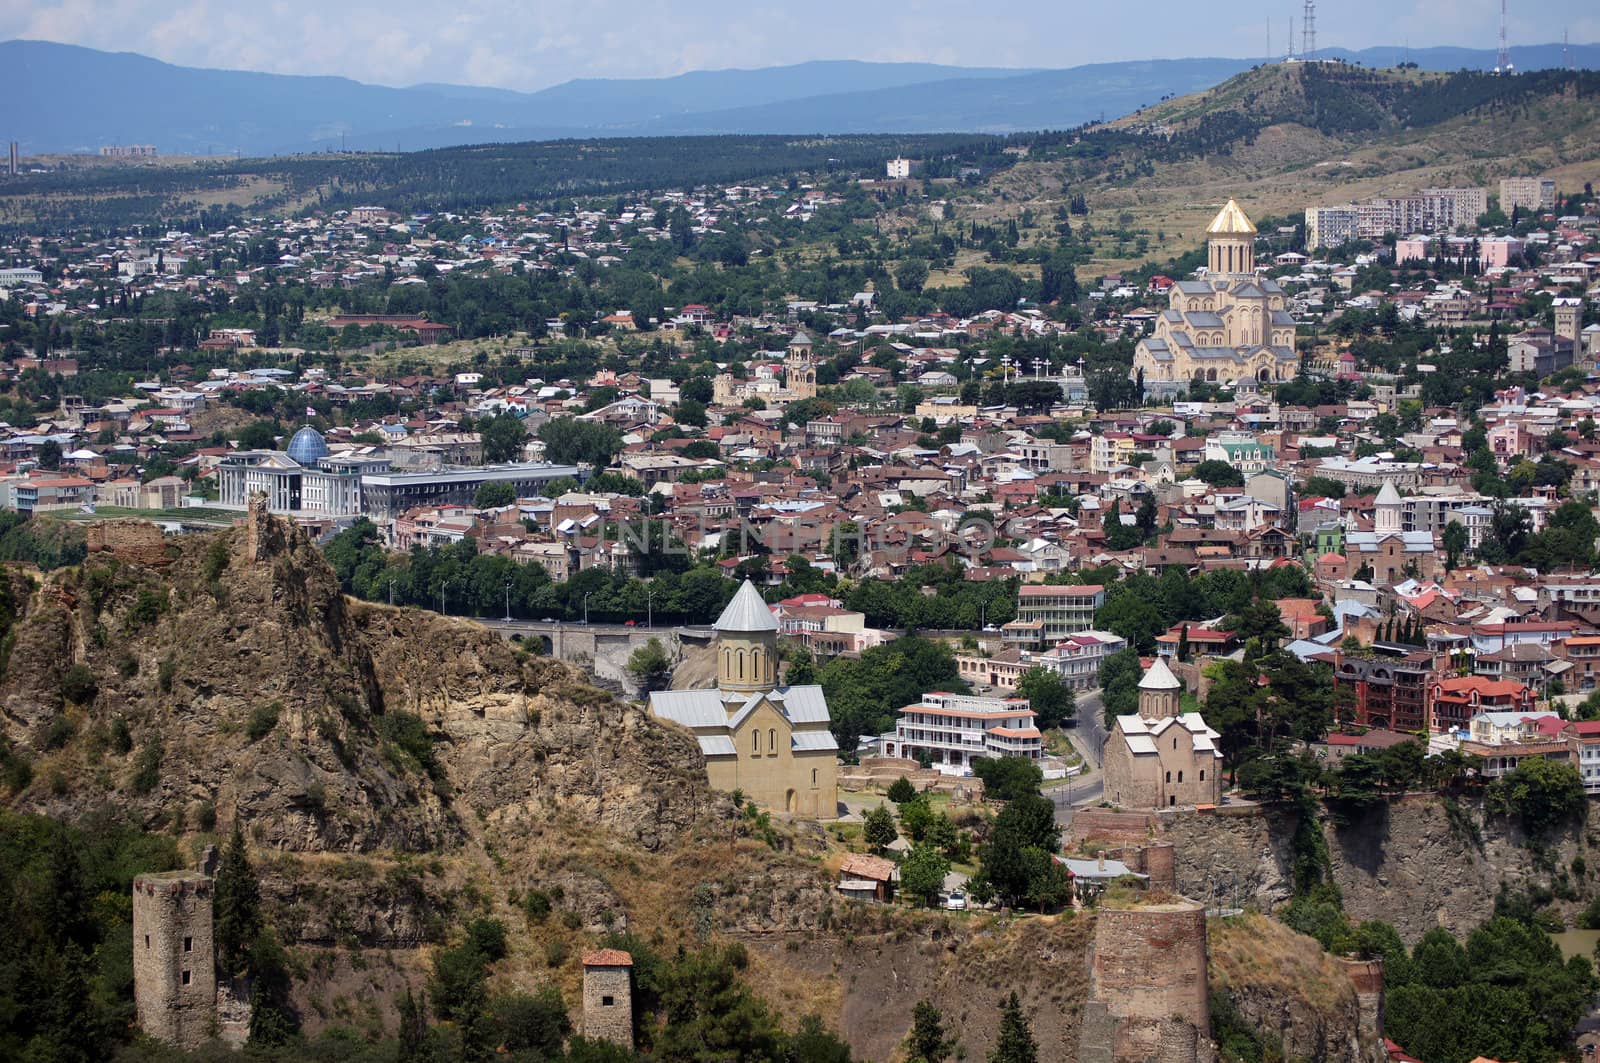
(1503, 63)
(1308, 31)
(1566, 55)
(1291, 37)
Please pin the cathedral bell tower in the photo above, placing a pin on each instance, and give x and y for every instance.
(800, 368)
(747, 644)
(1231, 242)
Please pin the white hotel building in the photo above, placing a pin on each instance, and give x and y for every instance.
(954, 729)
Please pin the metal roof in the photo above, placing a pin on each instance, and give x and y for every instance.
(747, 612)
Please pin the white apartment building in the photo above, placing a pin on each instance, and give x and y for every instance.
(952, 730)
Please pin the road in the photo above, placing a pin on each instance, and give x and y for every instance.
(1089, 739)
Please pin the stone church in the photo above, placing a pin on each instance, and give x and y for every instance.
(771, 742)
(1225, 326)
(1161, 756)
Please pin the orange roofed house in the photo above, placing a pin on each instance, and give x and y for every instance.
(953, 729)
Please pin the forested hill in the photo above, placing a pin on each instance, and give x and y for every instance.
(463, 178)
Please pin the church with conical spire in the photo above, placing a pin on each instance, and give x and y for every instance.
(768, 741)
(1161, 756)
(1226, 326)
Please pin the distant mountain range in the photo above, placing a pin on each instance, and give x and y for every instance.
(71, 99)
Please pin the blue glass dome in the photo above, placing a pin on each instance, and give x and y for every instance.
(308, 447)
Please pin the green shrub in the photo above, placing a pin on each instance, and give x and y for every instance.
(148, 605)
(60, 733)
(263, 718)
(555, 953)
(537, 905)
(78, 685)
(147, 767)
(205, 816)
(406, 733)
(121, 736)
(164, 673)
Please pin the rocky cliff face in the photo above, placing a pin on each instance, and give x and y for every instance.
(1291, 993)
(235, 680)
(1417, 863)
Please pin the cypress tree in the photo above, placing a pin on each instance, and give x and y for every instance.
(927, 1042)
(1016, 1044)
(237, 906)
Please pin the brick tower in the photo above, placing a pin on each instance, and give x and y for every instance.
(174, 961)
(608, 996)
(1147, 986)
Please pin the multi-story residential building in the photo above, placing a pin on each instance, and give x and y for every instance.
(1430, 211)
(1582, 653)
(1527, 193)
(1077, 658)
(1241, 450)
(1459, 702)
(1585, 734)
(1063, 609)
(1388, 689)
(952, 730)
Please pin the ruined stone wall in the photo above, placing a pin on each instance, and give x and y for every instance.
(1157, 860)
(608, 1004)
(137, 541)
(174, 961)
(1099, 823)
(1367, 977)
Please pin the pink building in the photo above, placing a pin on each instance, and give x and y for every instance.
(1411, 249)
(1498, 251)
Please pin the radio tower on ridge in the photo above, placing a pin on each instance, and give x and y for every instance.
(1308, 30)
(1503, 63)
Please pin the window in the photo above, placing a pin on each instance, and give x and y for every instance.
(772, 741)
(813, 778)
(1174, 743)
(1202, 775)
(185, 977)
(606, 1002)
(188, 944)
(147, 941)
(1172, 800)
(1169, 776)
(1180, 776)
(755, 743)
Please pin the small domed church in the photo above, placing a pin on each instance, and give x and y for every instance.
(771, 742)
(1161, 756)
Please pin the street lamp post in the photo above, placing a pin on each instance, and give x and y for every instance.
(649, 608)
(508, 601)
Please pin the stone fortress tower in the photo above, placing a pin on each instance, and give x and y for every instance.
(174, 960)
(1148, 999)
(608, 996)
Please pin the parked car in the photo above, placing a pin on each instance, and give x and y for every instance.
(956, 902)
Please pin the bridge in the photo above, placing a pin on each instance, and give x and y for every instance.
(603, 647)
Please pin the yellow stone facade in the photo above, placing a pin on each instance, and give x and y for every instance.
(770, 742)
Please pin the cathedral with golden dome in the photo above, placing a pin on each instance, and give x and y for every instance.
(1223, 327)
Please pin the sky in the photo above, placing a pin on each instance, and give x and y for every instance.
(529, 44)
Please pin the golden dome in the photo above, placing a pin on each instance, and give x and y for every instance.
(1231, 221)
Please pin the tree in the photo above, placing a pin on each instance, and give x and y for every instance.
(916, 817)
(650, 666)
(1119, 683)
(1543, 795)
(1028, 822)
(494, 494)
(878, 829)
(1218, 474)
(927, 1042)
(1008, 778)
(1455, 544)
(902, 791)
(237, 906)
(1015, 1043)
(1052, 700)
(923, 871)
(502, 437)
(568, 440)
